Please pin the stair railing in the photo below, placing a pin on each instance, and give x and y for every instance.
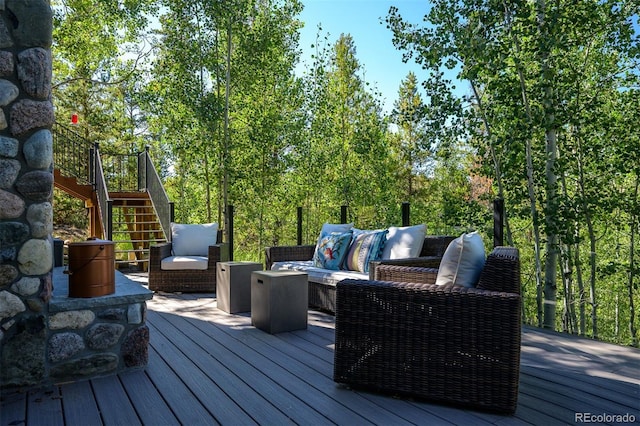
(75, 156)
(72, 154)
(120, 171)
(149, 180)
(105, 204)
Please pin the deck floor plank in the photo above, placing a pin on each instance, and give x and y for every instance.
(14, 408)
(79, 404)
(113, 402)
(238, 337)
(208, 392)
(178, 396)
(604, 394)
(208, 367)
(261, 389)
(216, 365)
(146, 399)
(44, 407)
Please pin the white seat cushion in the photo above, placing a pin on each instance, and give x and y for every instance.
(318, 275)
(179, 263)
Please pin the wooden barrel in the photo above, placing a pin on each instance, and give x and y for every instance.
(91, 268)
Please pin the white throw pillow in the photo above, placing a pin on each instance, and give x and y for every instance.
(462, 261)
(193, 240)
(405, 242)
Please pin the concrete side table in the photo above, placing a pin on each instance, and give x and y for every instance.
(279, 300)
(233, 285)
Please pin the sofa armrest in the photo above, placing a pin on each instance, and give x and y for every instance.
(423, 262)
(287, 253)
(157, 253)
(405, 274)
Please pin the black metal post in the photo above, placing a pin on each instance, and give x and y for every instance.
(343, 214)
(299, 240)
(230, 230)
(109, 220)
(405, 214)
(172, 211)
(92, 163)
(498, 222)
(146, 167)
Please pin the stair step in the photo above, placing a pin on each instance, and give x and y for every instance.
(136, 213)
(120, 262)
(140, 240)
(148, 231)
(137, 223)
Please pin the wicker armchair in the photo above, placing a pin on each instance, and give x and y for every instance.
(322, 296)
(189, 280)
(452, 344)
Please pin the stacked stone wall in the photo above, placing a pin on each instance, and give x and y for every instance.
(26, 188)
(96, 341)
(45, 336)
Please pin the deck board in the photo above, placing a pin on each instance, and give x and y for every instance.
(79, 404)
(45, 407)
(207, 367)
(146, 399)
(113, 402)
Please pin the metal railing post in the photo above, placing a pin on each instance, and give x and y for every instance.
(230, 230)
(92, 163)
(405, 214)
(109, 220)
(343, 214)
(146, 166)
(498, 222)
(299, 228)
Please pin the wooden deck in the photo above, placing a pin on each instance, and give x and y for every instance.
(207, 367)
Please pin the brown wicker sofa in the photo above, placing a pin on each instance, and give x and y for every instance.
(188, 280)
(322, 296)
(404, 335)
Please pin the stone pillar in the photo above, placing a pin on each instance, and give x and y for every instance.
(26, 188)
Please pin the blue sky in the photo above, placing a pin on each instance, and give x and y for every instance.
(364, 20)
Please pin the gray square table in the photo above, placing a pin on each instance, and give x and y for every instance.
(233, 285)
(279, 300)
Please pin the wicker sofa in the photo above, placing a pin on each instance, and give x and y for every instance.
(322, 292)
(185, 280)
(404, 335)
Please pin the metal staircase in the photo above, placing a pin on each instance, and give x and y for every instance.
(123, 193)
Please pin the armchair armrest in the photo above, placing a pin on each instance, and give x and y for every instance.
(286, 253)
(157, 253)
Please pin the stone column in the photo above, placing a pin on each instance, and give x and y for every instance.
(26, 188)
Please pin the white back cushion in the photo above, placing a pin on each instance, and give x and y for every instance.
(462, 261)
(404, 242)
(193, 240)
